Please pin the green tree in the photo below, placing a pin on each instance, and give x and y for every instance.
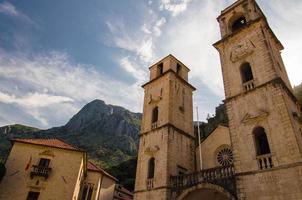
(298, 93)
(2, 169)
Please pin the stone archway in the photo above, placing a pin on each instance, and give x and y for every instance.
(205, 191)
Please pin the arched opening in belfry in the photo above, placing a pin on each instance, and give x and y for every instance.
(160, 68)
(151, 168)
(261, 142)
(239, 23)
(246, 72)
(155, 115)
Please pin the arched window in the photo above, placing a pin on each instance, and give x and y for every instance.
(238, 23)
(246, 72)
(151, 168)
(155, 115)
(262, 146)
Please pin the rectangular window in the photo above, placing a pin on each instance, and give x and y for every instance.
(33, 195)
(44, 162)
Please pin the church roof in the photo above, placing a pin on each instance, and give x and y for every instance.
(56, 143)
(93, 167)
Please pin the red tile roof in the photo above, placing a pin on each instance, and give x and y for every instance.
(123, 190)
(56, 143)
(93, 167)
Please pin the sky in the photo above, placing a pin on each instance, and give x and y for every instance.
(56, 56)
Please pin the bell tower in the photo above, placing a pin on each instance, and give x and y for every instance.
(167, 140)
(264, 117)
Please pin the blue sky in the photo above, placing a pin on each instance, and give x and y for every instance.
(56, 56)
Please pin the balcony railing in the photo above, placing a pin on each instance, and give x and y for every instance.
(150, 183)
(249, 85)
(265, 161)
(40, 171)
(222, 176)
(154, 125)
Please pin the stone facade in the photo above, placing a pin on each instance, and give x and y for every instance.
(168, 137)
(266, 101)
(259, 155)
(218, 140)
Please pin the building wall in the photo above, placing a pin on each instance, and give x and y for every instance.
(266, 109)
(61, 183)
(107, 189)
(103, 186)
(94, 178)
(220, 137)
(272, 184)
(159, 194)
(171, 142)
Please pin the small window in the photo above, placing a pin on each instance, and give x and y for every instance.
(246, 72)
(155, 115)
(239, 23)
(33, 195)
(160, 68)
(151, 168)
(178, 69)
(262, 146)
(44, 162)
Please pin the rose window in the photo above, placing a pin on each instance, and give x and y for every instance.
(225, 157)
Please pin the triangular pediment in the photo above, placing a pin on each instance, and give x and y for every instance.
(254, 116)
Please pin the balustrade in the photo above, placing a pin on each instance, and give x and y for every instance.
(220, 175)
(249, 85)
(265, 161)
(154, 125)
(40, 171)
(150, 183)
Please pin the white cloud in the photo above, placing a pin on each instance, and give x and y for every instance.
(50, 87)
(158, 25)
(9, 9)
(287, 27)
(136, 71)
(34, 100)
(190, 39)
(174, 7)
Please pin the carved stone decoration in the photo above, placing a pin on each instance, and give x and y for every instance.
(154, 98)
(242, 50)
(151, 150)
(255, 117)
(225, 157)
(47, 153)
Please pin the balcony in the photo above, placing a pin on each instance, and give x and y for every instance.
(40, 171)
(265, 161)
(249, 85)
(154, 125)
(222, 176)
(150, 183)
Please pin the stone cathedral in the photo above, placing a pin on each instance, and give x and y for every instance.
(257, 155)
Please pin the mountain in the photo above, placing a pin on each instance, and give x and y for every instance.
(13, 131)
(108, 133)
(17, 129)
